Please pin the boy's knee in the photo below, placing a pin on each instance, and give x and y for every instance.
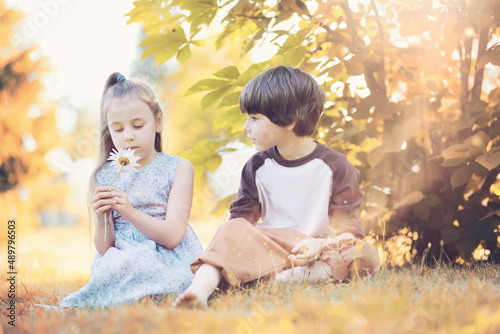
(235, 225)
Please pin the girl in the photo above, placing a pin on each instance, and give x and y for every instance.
(148, 244)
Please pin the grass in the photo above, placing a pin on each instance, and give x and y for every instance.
(412, 299)
(401, 300)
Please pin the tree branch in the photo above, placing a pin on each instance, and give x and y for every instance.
(478, 77)
(376, 84)
(465, 61)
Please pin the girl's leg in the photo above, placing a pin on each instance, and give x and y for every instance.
(205, 281)
(317, 272)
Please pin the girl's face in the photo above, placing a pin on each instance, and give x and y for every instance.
(132, 124)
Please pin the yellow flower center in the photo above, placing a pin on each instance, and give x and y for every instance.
(123, 161)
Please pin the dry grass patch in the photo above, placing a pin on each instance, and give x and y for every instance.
(401, 300)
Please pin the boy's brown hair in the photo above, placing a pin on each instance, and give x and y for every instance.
(284, 94)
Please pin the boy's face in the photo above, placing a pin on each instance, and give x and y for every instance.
(263, 133)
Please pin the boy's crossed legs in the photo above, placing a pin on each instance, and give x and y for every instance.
(241, 252)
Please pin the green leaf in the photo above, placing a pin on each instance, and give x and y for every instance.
(202, 11)
(252, 42)
(204, 156)
(222, 37)
(461, 176)
(284, 15)
(411, 198)
(230, 99)
(198, 42)
(229, 72)
(165, 46)
(479, 141)
(246, 76)
(164, 55)
(492, 55)
(151, 51)
(459, 151)
(207, 84)
(231, 119)
(176, 35)
(223, 205)
(213, 163)
(489, 160)
(214, 96)
(298, 56)
(153, 39)
(184, 53)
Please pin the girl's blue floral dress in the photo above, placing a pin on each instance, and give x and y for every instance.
(136, 266)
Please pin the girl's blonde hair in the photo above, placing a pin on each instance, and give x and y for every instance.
(123, 88)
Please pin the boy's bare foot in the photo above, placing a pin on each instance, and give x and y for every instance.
(318, 272)
(297, 274)
(189, 299)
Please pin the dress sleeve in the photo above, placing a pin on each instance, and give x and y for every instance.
(345, 201)
(247, 203)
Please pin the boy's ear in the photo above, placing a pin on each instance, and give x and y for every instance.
(159, 123)
(290, 126)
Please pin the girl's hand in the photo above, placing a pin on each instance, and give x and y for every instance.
(306, 252)
(102, 201)
(122, 204)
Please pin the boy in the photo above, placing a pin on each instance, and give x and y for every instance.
(296, 216)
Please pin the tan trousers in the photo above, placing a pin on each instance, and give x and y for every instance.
(246, 253)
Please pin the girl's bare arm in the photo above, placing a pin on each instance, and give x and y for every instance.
(168, 232)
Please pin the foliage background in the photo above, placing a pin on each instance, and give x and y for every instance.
(412, 90)
(408, 101)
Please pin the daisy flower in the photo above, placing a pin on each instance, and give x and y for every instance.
(124, 158)
(125, 161)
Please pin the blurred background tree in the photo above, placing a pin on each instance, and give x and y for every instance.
(412, 100)
(28, 131)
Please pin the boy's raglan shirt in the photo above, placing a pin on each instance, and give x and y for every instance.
(308, 194)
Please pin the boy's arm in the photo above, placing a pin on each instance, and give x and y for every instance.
(345, 202)
(247, 203)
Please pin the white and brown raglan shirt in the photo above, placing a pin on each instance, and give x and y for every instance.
(308, 194)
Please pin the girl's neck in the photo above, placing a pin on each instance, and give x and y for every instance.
(150, 159)
(296, 148)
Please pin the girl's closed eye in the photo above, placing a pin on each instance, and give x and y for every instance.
(138, 126)
(118, 130)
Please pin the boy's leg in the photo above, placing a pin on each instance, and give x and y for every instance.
(205, 281)
(246, 253)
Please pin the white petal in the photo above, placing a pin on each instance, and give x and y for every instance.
(121, 153)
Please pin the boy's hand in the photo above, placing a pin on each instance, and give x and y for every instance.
(306, 252)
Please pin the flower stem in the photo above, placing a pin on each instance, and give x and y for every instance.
(121, 168)
(106, 212)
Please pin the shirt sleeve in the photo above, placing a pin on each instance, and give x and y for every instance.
(345, 201)
(247, 203)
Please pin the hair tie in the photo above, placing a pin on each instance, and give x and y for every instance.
(120, 77)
